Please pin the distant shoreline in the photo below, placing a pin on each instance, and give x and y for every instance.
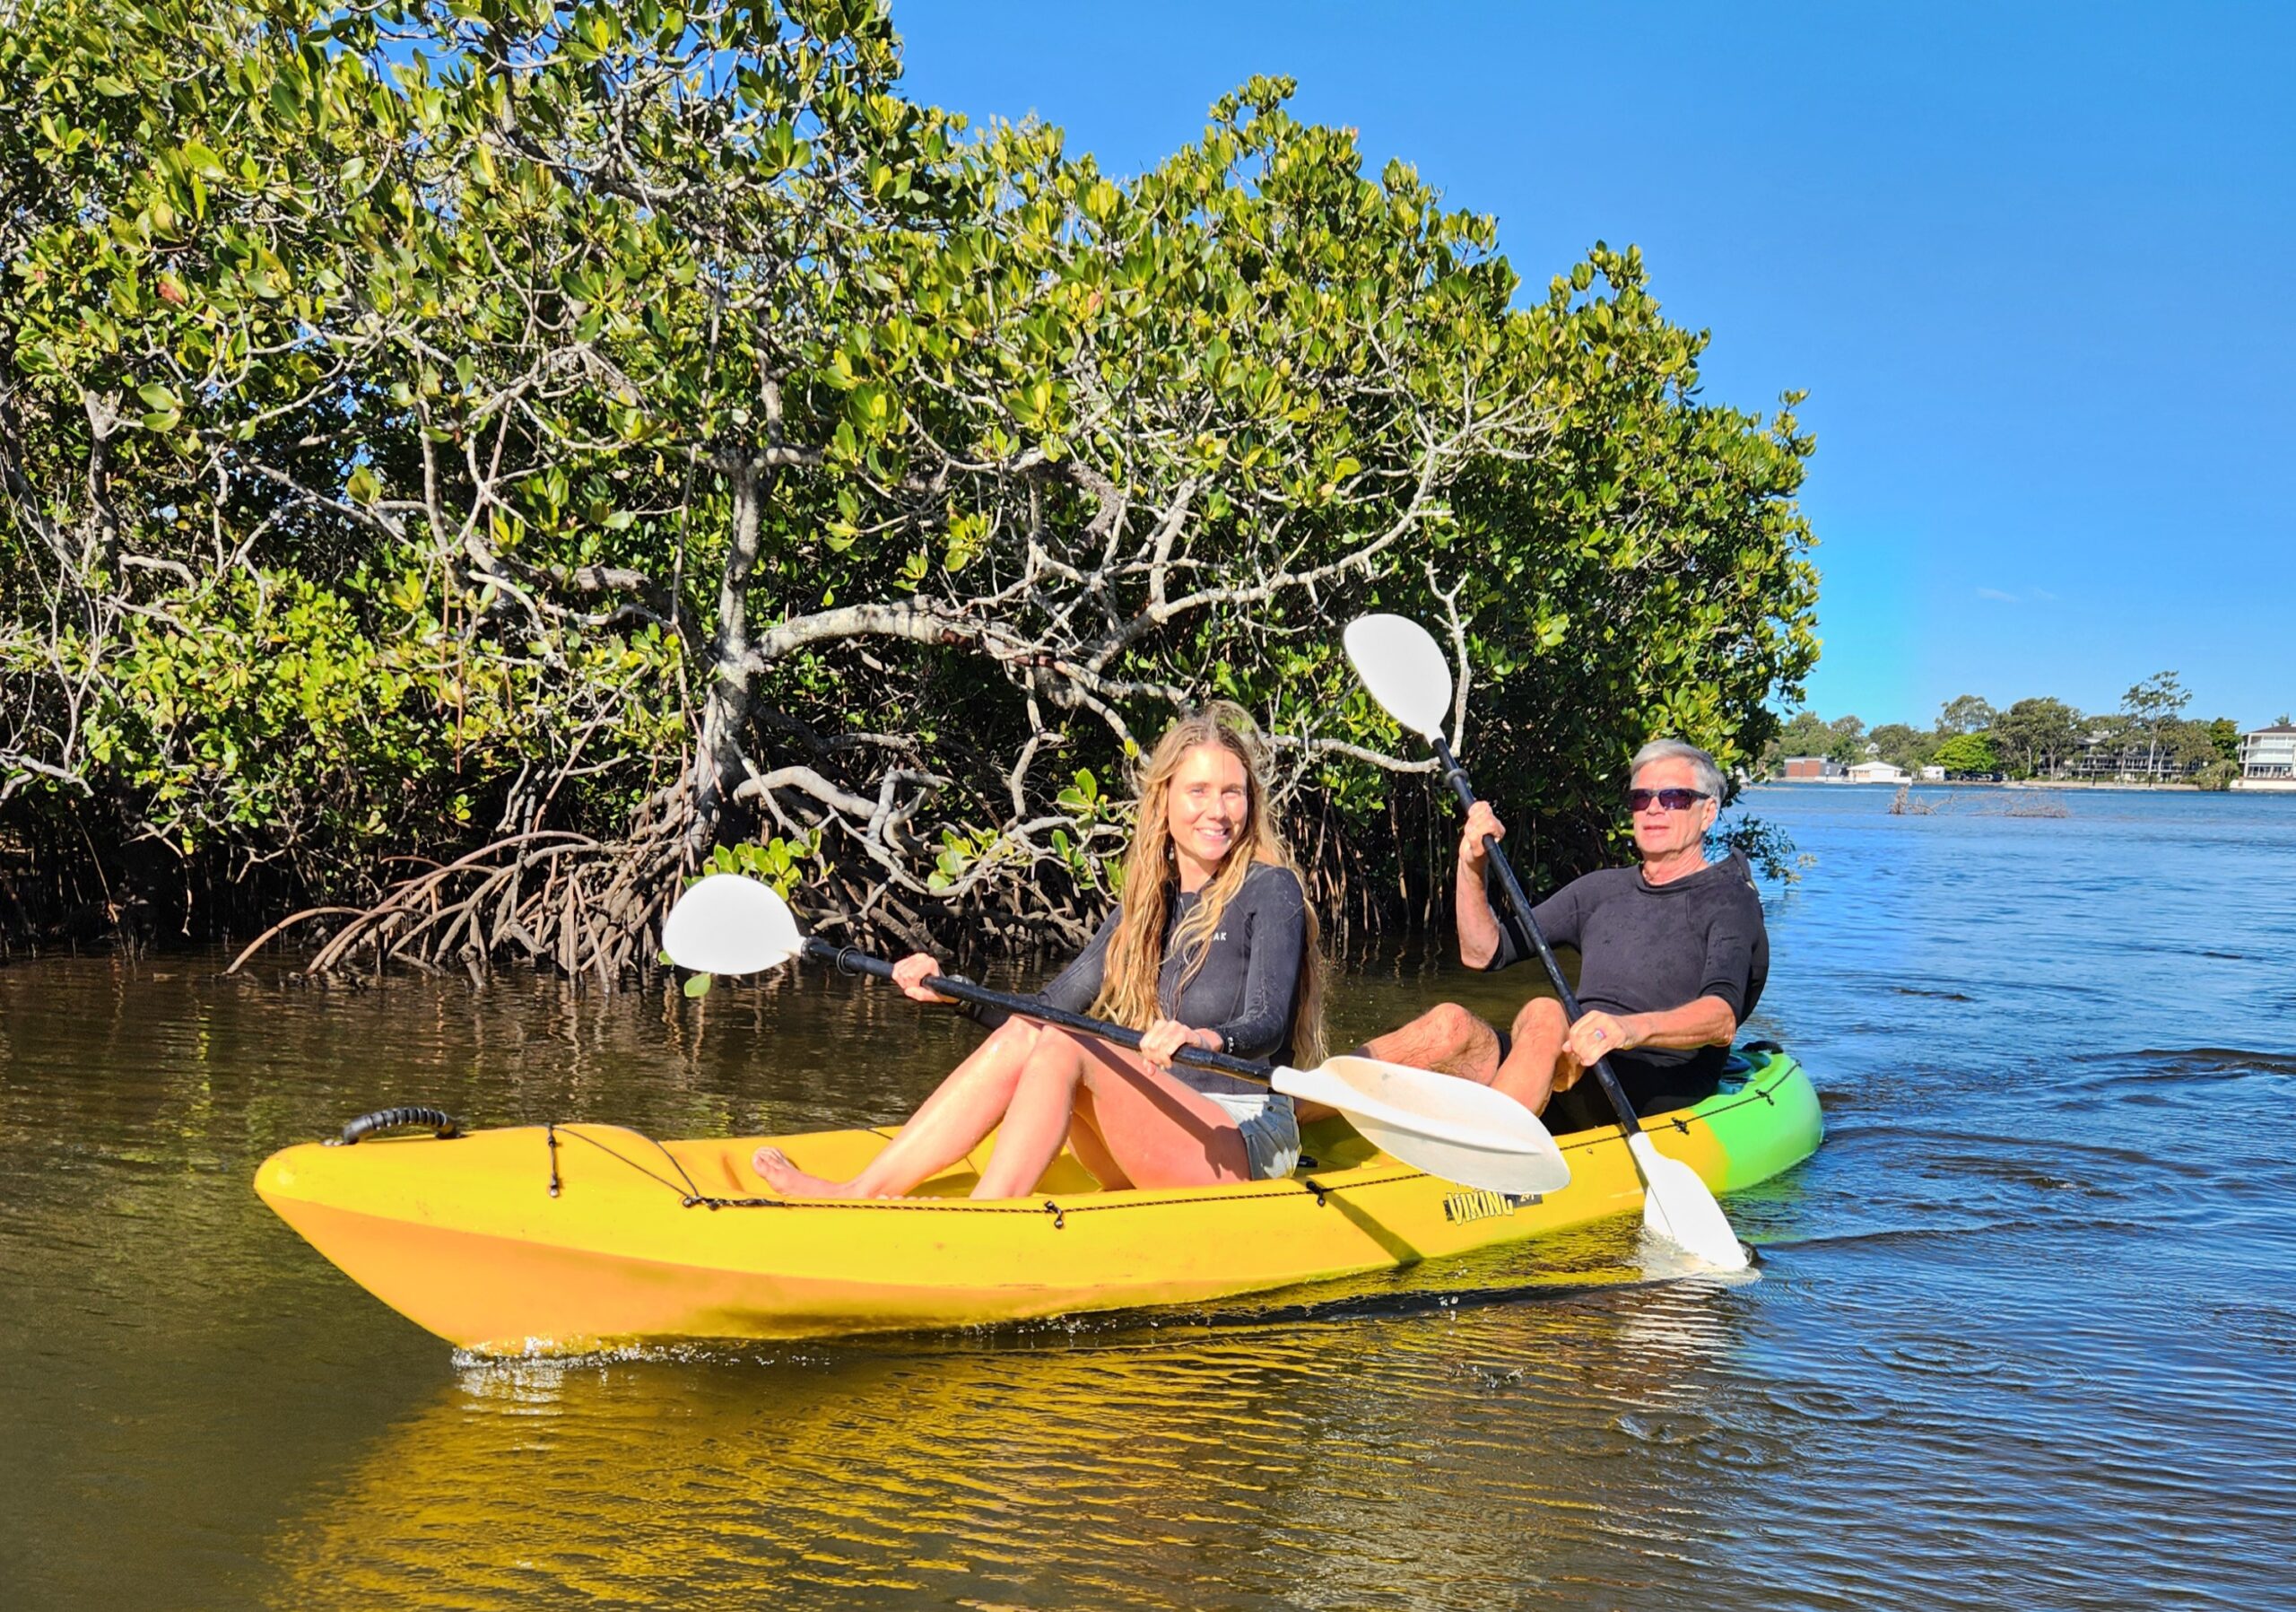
(1975, 783)
(2241, 786)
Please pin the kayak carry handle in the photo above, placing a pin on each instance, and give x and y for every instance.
(444, 1125)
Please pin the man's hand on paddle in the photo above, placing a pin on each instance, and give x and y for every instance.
(1479, 936)
(1598, 1034)
(912, 971)
(1481, 820)
(1167, 1036)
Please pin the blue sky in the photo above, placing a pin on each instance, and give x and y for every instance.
(2033, 264)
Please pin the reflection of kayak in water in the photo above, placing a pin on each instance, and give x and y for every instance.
(573, 1238)
(1292, 1464)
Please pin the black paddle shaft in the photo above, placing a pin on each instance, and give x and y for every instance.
(1456, 775)
(853, 960)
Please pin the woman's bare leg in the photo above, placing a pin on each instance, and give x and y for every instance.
(1157, 1130)
(965, 1107)
(1036, 1117)
(1084, 1142)
(1161, 1131)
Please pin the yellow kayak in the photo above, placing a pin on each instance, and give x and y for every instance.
(567, 1238)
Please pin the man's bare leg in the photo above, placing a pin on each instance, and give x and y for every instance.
(1447, 1038)
(1536, 1065)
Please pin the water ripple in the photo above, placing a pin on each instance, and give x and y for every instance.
(2016, 1328)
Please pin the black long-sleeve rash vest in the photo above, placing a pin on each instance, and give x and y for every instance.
(1248, 988)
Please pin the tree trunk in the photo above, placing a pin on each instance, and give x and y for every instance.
(718, 753)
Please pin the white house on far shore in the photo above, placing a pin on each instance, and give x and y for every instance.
(1877, 772)
(2268, 752)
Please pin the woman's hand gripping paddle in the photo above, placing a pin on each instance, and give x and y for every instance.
(1403, 669)
(1455, 1129)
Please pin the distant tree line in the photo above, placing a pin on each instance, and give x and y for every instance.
(2148, 737)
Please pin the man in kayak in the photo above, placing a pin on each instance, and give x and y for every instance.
(1673, 957)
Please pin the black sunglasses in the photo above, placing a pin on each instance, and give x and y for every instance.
(1674, 800)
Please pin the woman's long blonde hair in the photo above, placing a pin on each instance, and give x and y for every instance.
(1152, 878)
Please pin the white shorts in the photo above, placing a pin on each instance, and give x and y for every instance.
(1270, 1128)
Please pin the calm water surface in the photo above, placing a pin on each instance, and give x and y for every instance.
(2024, 1334)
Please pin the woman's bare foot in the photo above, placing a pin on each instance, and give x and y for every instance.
(774, 1168)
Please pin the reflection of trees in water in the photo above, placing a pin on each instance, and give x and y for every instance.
(166, 1055)
(166, 1062)
(1456, 1457)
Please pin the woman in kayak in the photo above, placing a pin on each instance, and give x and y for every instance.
(1212, 945)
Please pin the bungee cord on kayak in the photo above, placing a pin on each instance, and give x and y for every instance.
(691, 1196)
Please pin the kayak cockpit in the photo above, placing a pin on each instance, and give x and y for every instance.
(720, 1167)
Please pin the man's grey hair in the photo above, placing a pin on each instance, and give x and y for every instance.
(1709, 776)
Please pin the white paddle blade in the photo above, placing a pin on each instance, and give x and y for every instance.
(1401, 668)
(730, 924)
(1677, 1206)
(1452, 1128)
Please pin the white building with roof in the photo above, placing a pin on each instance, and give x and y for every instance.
(2269, 753)
(1878, 772)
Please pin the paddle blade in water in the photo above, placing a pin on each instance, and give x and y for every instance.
(1403, 669)
(728, 924)
(1677, 1206)
(1449, 1128)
